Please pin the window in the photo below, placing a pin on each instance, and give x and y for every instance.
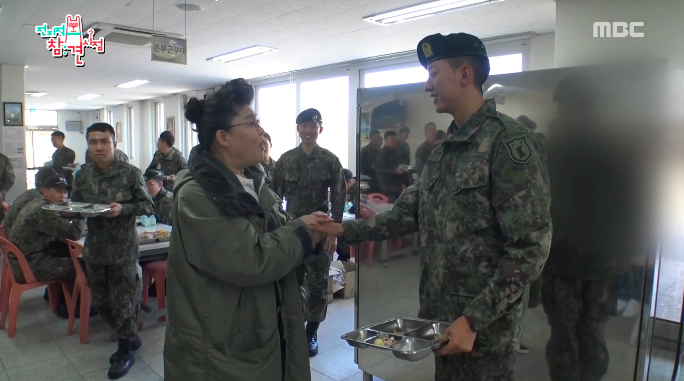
(509, 63)
(130, 132)
(277, 110)
(109, 117)
(330, 97)
(158, 119)
(40, 118)
(191, 138)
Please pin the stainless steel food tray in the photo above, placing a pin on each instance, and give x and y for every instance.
(413, 339)
(81, 208)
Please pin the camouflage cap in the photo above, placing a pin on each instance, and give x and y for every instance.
(153, 174)
(437, 47)
(56, 182)
(43, 174)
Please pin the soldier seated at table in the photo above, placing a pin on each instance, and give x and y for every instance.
(40, 235)
(162, 198)
(25, 198)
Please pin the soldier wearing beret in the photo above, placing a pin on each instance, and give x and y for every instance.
(304, 176)
(481, 207)
(162, 198)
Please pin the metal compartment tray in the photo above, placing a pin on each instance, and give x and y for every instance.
(81, 208)
(412, 339)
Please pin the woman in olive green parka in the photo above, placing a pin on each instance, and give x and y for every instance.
(233, 298)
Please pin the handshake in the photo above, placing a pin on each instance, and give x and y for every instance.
(322, 226)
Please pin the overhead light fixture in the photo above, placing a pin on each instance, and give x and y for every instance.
(242, 53)
(25, 66)
(185, 7)
(36, 94)
(136, 83)
(89, 96)
(422, 10)
(58, 105)
(492, 87)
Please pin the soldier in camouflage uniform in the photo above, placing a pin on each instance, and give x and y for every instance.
(111, 250)
(303, 177)
(6, 179)
(268, 163)
(39, 234)
(168, 159)
(163, 199)
(404, 147)
(26, 197)
(481, 207)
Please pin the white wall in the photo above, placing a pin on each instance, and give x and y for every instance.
(663, 30)
(542, 51)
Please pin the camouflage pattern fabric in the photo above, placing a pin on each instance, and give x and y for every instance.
(117, 293)
(62, 158)
(314, 293)
(169, 164)
(304, 181)
(112, 240)
(369, 155)
(6, 175)
(162, 206)
(577, 311)
(482, 209)
(118, 155)
(268, 169)
(404, 153)
(469, 368)
(17, 205)
(38, 234)
(386, 165)
(422, 154)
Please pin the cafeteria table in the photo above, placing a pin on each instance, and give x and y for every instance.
(149, 251)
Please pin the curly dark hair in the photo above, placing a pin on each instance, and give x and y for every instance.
(217, 111)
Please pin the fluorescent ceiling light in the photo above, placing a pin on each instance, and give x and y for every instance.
(89, 96)
(36, 94)
(130, 84)
(494, 86)
(243, 53)
(422, 10)
(25, 66)
(58, 105)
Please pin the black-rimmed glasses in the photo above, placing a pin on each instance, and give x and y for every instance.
(255, 124)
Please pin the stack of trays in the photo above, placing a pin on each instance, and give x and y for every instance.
(408, 338)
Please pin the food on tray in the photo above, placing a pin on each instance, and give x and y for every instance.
(397, 331)
(162, 234)
(154, 235)
(384, 341)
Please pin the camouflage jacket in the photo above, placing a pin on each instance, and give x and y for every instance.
(169, 164)
(35, 228)
(112, 240)
(404, 153)
(482, 209)
(16, 207)
(304, 181)
(6, 174)
(422, 154)
(268, 170)
(118, 155)
(162, 206)
(63, 157)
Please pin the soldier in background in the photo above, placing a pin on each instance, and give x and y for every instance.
(482, 210)
(268, 163)
(111, 250)
(63, 156)
(441, 135)
(26, 197)
(423, 152)
(404, 147)
(304, 176)
(168, 159)
(369, 155)
(6, 179)
(40, 235)
(387, 166)
(162, 199)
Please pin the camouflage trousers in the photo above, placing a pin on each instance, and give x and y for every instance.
(47, 266)
(313, 284)
(117, 293)
(465, 367)
(577, 311)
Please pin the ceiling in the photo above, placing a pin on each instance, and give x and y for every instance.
(308, 33)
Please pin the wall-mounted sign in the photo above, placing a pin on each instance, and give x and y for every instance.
(173, 50)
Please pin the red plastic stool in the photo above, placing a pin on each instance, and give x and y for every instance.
(156, 271)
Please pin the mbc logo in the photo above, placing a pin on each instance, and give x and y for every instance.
(617, 29)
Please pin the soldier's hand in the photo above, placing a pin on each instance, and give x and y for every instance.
(172, 177)
(115, 211)
(461, 338)
(331, 245)
(329, 229)
(315, 219)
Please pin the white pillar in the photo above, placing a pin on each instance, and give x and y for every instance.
(12, 90)
(663, 31)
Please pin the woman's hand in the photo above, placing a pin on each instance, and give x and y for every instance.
(329, 230)
(315, 219)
